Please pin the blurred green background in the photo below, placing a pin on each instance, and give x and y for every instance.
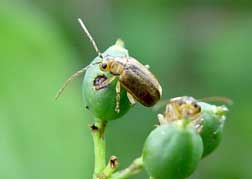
(198, 48)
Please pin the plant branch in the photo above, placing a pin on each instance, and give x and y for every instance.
(111, 167)
(98, 129)
(135, 167)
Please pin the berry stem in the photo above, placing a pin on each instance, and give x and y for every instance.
(111, 167)
(98, 129)
(135, 167)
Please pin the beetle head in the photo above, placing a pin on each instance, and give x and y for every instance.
(105, 64)
(187, 106)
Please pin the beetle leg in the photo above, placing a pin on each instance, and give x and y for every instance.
(161, 119)
(105, 83)
(118, 90)
(131, 99)
(147, 66)
(198, 121)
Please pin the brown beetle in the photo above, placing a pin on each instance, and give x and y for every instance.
(135, 77)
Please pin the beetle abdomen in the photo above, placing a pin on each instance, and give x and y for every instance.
(140, 83)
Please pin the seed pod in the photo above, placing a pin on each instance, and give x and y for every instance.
(172, 151)
(213, 118)
(102, 102)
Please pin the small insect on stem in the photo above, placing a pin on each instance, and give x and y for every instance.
(133, 76)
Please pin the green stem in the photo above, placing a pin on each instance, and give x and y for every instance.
(135, 167)
(98, 130)
(111, 167)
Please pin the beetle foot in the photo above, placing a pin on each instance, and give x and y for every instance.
(117, 109)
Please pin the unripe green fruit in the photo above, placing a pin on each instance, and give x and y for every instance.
(212, 126)
(172, 151)
(101, 103)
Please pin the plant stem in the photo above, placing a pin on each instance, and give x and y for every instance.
(98, 129)
(135, 167)
(111, 167)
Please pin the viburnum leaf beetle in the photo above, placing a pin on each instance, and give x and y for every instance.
(135, 77)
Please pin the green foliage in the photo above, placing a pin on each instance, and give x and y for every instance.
(40, 138)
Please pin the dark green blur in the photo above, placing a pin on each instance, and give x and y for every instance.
(194, 48)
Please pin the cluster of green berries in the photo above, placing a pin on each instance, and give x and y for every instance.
(185, 136)
(187, 131)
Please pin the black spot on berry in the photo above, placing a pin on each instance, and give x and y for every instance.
(98, 81)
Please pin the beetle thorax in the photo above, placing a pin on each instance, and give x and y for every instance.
(116, 67)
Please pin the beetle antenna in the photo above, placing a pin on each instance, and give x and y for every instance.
(160, 104)
(221, 99)
(71, 78)
(90, 37)
(78, 73)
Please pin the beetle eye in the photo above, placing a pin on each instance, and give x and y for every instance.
(197, 106)
(104, 66)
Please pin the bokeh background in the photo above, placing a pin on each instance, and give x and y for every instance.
(198, 48)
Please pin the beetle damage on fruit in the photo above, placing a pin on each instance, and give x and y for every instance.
(102, 101)
(99, 80)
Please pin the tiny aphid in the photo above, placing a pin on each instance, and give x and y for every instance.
(186, 107)
(135, 77)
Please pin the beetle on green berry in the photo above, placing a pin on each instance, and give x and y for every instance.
(135, 77)
(186, 107)
(206, 118)
(180, 108)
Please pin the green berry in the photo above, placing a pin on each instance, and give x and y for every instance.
(213, 119)
(102, 103)
(172, 151)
